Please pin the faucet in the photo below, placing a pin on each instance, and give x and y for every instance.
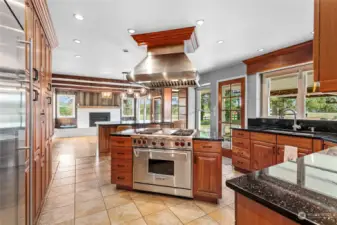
(295, 126)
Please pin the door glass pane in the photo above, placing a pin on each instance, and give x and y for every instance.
(226, 103)
(236, 117)
(226, 91)
(226, 116)
(236, 103)
(236, 89)
(226, 130)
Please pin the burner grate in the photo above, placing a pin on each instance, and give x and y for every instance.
(183, 133)
(149, 131)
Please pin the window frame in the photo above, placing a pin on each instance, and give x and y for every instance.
(73, 106)
(198, 98)
(132, 107)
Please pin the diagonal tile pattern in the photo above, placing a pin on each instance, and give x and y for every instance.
(81, 193)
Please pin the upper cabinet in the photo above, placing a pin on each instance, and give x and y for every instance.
(325, 44)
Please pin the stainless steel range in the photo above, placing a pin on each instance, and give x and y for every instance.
(162, 161)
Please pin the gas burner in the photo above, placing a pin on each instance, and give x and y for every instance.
(183, 133)
(149, 131)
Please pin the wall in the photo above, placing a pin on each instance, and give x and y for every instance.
(253, 96)
(83, 115)
(213, 78)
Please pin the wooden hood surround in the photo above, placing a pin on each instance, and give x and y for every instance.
(43, 14)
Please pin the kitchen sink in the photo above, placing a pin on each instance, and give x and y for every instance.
(291, 132)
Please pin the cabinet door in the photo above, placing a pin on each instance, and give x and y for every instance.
(263, 155)
(37, 119)
(207, 175)
(37, 181)
(29, 28)
(27, 189)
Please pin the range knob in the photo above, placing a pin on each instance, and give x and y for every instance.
(162, 144)
(177, 143)
(153, 143)
(144, 142)
(139, 142)
(182, 144)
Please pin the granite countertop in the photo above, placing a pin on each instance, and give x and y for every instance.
(132, 122)
(200, 135)
(304, 190)
(332, 137)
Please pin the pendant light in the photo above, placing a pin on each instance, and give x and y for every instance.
(136, 95)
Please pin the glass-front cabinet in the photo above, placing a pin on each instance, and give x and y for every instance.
(231, 108)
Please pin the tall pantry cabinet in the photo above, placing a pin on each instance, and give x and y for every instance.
(39, 29)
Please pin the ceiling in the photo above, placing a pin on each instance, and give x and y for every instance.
(244, 25)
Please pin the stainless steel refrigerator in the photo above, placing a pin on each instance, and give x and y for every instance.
(15, 118)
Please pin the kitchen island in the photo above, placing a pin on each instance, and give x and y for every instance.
(169, 161)
(294, 192)
(105, 128)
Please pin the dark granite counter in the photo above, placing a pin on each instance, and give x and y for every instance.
(132, 122)
(200, 135)
(332, 137)
(304, 190)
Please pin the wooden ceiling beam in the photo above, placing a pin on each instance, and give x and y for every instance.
(90, 84)
(88, 89)
(83, 78)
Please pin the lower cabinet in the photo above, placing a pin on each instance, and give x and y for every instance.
(37, 181)
(207, 170)
(206, 180)
(280, 153)
(263, 155)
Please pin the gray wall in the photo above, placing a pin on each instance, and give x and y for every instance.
(253, 96)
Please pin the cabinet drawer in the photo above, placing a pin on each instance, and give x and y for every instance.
(121, 165)
(270, 138)
(121, 153)
(207, 146)
(241, 143)
(121, 141)
(124, 178)
(299, 142)
(240, 134)
(241, 152)
(241, 162)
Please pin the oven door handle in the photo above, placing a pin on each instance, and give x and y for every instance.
(136, 152)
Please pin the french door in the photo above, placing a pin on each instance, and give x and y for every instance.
(231, 101)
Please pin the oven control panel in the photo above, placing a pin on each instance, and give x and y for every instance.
(166, 143)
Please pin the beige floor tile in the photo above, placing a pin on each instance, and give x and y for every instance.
(89, 207)
(85, 171)
(85, 177)
(63, 169)
(87, 195)
(59, 201)
(139, 221)
(165, 217)
(227, 198)
(110, 189)
(61, 190)
(104, 180)
(124, 213)
(224, 216)
(140, 197)
(148, 208)
(83, 186)
(172, 201)
(68, 222)
(117, 200)
(187, 212)
(208, 207)
(60, 175)
(86, 160)
(84, 166)
(205, 220)
(57, 215)
(100, 218)
(232, 206)
(63, 181)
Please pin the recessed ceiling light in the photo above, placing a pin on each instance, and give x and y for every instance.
(77, 56)
(125, 50)
(260, 50)
(312, 32)
(220, 42)
(106, 72)
(200, 22)
(77, 41)
(78, 17)
(131, 31)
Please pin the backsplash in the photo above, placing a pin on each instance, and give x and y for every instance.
(320, 125)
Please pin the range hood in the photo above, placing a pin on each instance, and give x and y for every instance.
(166, 64)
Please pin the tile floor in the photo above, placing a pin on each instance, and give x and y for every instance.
(81, 194)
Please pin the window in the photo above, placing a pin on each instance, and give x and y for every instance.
(204, 111)
(175, 105)
(128, 107)
(157, 109)
(295, 89)
(65, 106)
(144, 109)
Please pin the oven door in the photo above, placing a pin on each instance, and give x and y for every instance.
(162, 167)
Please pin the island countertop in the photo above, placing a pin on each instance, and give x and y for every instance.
(132, 122)
(304, 190)
(200, 135)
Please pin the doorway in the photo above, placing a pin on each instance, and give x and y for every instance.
(231, 102)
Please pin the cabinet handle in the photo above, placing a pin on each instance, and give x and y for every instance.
(120, 153)
(120, 178)
(120, 166)
(207, 146)
(120, 142)
(49, 86)
(240, 134)
(49, 100)
(239, 143)
(35, 74)
(36, 96)
(195, 160)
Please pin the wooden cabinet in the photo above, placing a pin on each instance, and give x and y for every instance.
(121, 161)
(300, 153)
(325, 45)
(207, 175)
(263, 155)
(207, 170)
(328, 144)
(37, 181)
